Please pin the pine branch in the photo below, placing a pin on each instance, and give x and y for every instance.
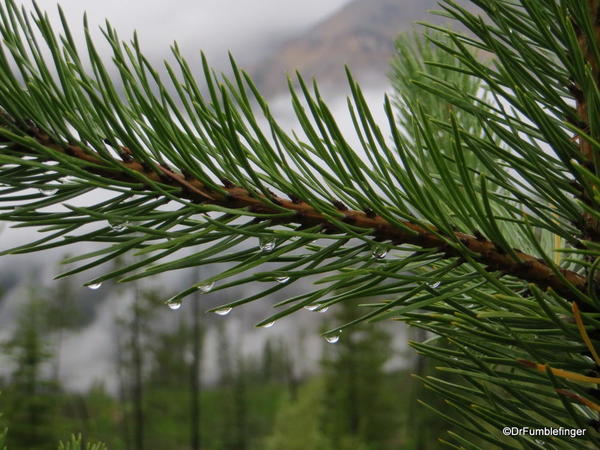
(525, 267)
(508, 148)
(437, 173)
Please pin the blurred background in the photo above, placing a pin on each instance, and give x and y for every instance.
(117, 365)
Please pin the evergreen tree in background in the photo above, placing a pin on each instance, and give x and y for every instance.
(31, 402)
(472, 212)
(298, 423)
(357, 400)
(63, 314)
(195, 370)
(2, 434)
(138, 330)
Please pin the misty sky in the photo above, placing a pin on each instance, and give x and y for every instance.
(249, 28)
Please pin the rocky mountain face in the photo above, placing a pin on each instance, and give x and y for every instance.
(361, 35)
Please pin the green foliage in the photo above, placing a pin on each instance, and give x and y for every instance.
(75, 444)
(220, 137)
(417, 58)
(298, 424)
(357, 398)
(276, 364)
(3, 432)
(31, 401)
(473, 215)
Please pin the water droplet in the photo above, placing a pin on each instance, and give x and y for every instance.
(323, 309)
(205, 288)
(379, 251)
(435, 285)
(48, 190)
(94, 286)
(118, 225)
(174, 304)
(311, 307)
(70, 179)
(268, 325)
(282, 279)
(266, 244)
(332, 338)
(223, 311)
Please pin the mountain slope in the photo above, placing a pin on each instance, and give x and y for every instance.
(360, 35)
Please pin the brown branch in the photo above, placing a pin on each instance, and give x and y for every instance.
(528, 268)
(590, 224)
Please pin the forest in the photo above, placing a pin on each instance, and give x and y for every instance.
(350, 402)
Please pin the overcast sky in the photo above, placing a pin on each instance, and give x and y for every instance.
(249, 28)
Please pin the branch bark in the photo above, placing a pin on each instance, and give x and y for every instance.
(591, 225)
(528, 268)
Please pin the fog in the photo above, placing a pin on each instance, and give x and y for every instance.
(249, 29)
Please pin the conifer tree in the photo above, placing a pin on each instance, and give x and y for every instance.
(357, 386)
(472, 212)
(31, 401)
(75, 444)
(298, 423)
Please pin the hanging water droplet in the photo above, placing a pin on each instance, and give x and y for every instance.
(94, 286)
(118, 225)
(268, 325)
(70, 179)
(174, 304)
(266, 244)
(435, 285)
(205, 288)
(323, 309)
(48, 190)
(332, 338)
(223, 311)
(282, 279)
(311, 307)
(379, 251)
